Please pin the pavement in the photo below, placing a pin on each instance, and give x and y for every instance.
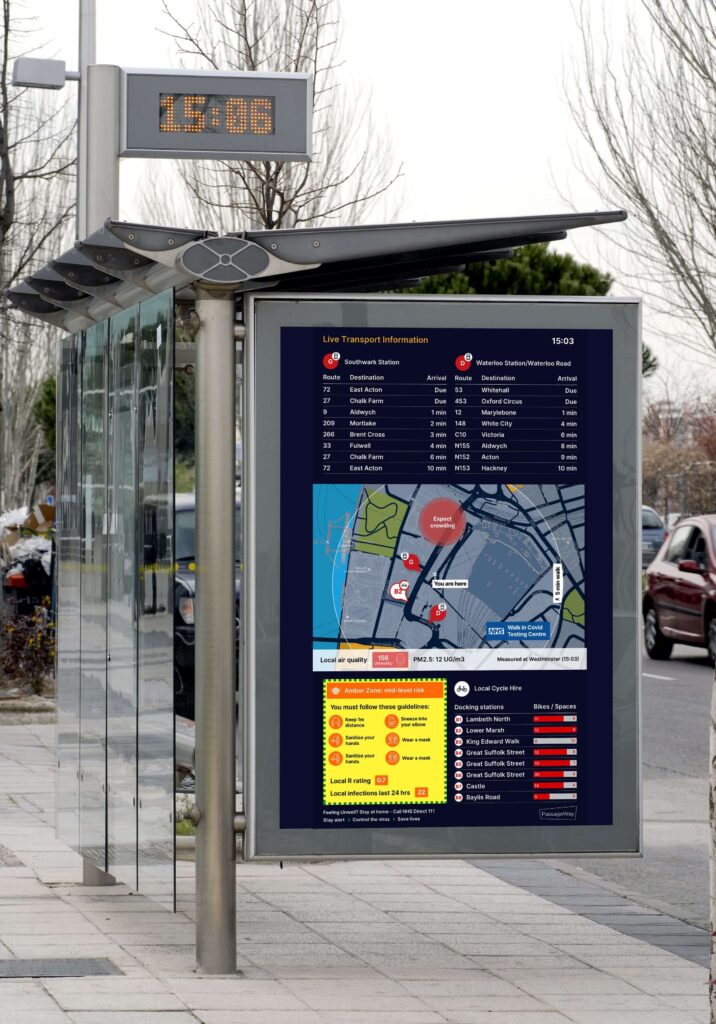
(673, 875)
(400, 942)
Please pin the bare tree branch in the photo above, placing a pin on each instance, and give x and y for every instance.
(352, 167)
(648, 116)
(37, 168)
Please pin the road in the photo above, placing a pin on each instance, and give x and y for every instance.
(673, 874)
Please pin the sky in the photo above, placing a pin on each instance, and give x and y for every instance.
(471, 92)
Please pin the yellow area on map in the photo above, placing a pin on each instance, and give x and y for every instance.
(514, 487)
(378, 523)
(573, 607)
(384, 742)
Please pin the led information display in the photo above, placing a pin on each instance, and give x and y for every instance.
(232, 115)
(447, 505)
(238, 115)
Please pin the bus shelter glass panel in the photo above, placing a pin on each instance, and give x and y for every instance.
(121, 606)
(93, 598)
(156, 600)
(68, 593)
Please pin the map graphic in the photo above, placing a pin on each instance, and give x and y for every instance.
(442, 567)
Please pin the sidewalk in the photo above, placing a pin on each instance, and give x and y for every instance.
(403, 942)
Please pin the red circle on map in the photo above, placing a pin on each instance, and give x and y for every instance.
(335, 757)
(335, 721)
(442, 521)
(392, 757)
(392, 721)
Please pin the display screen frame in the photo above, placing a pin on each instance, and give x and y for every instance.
(141, 134)
(261, 608)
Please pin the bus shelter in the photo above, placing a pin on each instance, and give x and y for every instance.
(116, 297)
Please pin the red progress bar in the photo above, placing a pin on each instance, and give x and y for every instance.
(554, 728)
(554, 796)
(571, 763)
(557, 751)
(554, 718)
(554, 775)
(554, 785)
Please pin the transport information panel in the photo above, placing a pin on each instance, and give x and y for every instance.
(443, 673)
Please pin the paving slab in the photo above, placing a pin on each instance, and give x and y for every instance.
(381, 1017)
(114, 1001)
(498, 1017)
(130, 1017)
(201, 986)
(34, 1016)
(618, 912)
(606, 1016)
(258, 1017)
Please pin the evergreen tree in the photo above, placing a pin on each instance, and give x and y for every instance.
(531, 270)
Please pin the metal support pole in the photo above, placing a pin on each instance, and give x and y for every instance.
(87, 56)
(101, 187)
(215, 612)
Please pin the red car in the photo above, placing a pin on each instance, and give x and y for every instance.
(679, 603)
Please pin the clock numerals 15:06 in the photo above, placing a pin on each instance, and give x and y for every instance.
(236, 115)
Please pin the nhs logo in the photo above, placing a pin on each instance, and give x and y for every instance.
(497, 630)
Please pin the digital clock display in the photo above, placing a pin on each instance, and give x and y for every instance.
(217, 114)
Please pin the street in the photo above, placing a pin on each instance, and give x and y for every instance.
(673, 874)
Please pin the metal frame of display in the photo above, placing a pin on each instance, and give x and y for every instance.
(265, 840)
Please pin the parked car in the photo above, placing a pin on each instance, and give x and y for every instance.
(679, 602)
(184, 595)
(653, 534)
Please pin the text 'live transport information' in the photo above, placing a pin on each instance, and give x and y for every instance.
(449, 472)
(516, 418)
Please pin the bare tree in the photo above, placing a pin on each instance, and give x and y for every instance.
(352, 166)
(24, 364)
(679, 449)
(36, 208)
(647, 111)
